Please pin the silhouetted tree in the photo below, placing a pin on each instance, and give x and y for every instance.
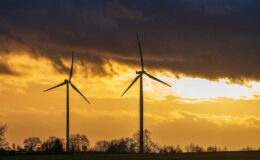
(53, 144)
(7, 148)
(32, 144)
(3, 142)
(167, 149)
(121, 145)
(170, 149)
(19, 148)
(149, 145)
(248, 148)
(127, 145)
(224, 149)
(178, 149)
(101, 146)
(212, 149)
(194, 148)
(133, 146)
(79, 143)
(13, 147)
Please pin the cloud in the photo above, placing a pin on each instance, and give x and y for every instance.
(6, 70)
(210, 39)
(185, 127)
(219, 120)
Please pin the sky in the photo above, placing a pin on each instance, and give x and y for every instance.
(207, 50)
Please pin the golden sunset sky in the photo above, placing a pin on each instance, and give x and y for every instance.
(208, 51)
(194, 110)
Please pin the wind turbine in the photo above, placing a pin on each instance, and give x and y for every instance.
(140, 76)
(68, 83)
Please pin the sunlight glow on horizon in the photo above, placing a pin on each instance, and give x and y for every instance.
(197, 88)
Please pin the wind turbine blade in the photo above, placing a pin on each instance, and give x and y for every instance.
(136, 78)
(156, 79)
(71, 68)
(55, 86)
(76, 89)
(140, 51)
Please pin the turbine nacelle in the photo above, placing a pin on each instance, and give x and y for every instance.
(140, 72)
(66, 81)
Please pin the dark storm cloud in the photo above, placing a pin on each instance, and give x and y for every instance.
(205, 38)
(4, 69)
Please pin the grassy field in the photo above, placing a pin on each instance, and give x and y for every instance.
(183, 156)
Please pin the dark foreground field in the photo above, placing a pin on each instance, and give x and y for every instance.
(183, 156)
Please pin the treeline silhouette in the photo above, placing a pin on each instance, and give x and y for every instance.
(80, 143)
